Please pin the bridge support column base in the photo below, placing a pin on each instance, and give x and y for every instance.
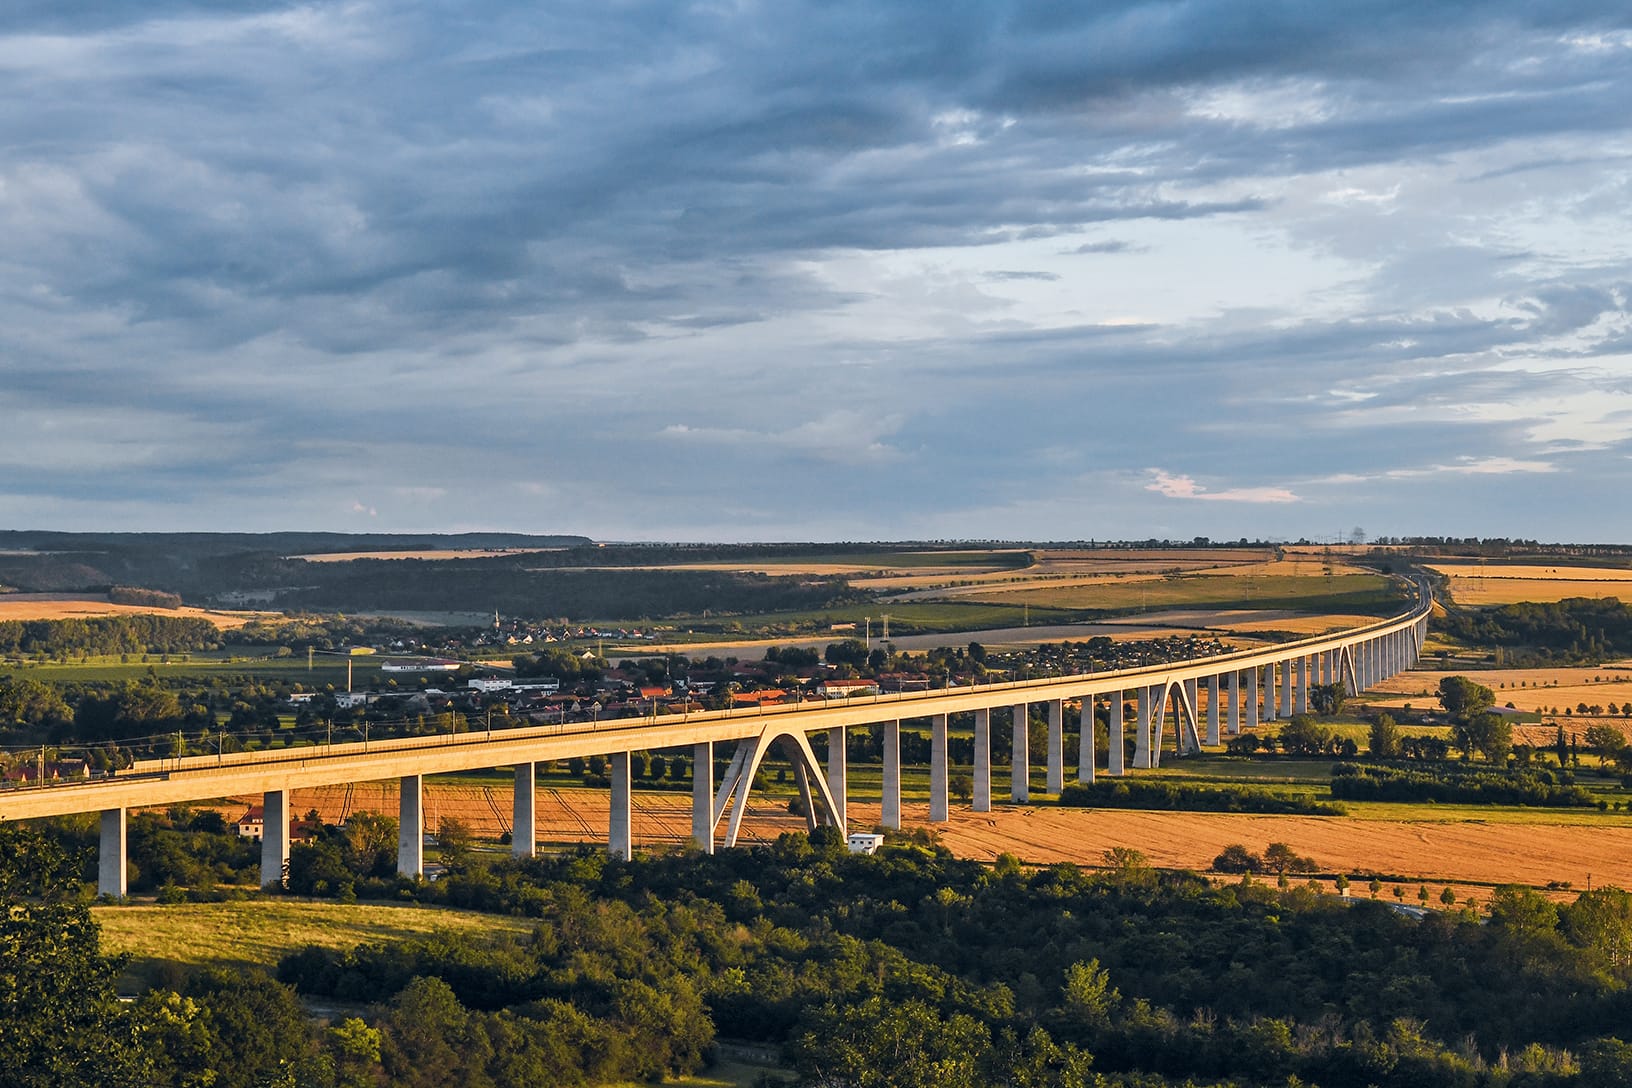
(274, 838)
(111, 876)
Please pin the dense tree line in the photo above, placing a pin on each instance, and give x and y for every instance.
(1140, 793)
(1577, 629)
(1449, 783)
(125, 634)
(429, 585)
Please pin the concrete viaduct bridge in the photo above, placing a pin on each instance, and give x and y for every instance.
(1243, 688)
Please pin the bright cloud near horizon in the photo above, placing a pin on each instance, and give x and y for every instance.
(752, 271)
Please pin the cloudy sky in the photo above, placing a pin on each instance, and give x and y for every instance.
(837, 270)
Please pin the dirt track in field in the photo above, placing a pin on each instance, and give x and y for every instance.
(1467, 852)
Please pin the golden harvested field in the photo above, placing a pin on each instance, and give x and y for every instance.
(1472, 851)
(1284, 621)
(1485, 853)
(1535, 690)
(78, 606)
(1473, 584)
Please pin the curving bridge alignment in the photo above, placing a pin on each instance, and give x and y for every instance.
(1243, 689)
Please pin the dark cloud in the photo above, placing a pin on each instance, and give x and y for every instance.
(254, 247)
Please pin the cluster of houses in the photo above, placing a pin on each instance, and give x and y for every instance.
(516, 634)
(617, 693)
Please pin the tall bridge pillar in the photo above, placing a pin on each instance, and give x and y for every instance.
(620, 841)
(1116, 752)
(1252, 698)
(1056, 746)
(702, 793)
(111, 878)
(1020, 761)
(523, 820)
(1212, 709)
(837, 776)
(411, 826)
(1085, 741)
(1142, 731)
(939, 809)
(891, 809)
(1286, 688)
(1303, 684)
(274, 838)
(1232, 722)
(983, 760)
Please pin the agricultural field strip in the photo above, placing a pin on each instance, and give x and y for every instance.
(57, 606)
(262, 931)
(1529, 573)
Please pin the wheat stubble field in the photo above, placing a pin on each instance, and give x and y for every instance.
(79, 606)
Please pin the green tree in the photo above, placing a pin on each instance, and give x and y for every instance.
(60, 1018)
(258, 1033)
(891, 1044)
(1486, 733)
(1302, 735)
(1088, 1000)
(1328, 699)
(1383, 741)
(1606, 740)
(1463, 698)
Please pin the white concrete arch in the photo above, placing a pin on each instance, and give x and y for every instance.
(1154, 703)
(751, 752)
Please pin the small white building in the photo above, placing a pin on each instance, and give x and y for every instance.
(865, 842)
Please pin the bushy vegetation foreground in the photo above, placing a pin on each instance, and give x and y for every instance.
(909, 968)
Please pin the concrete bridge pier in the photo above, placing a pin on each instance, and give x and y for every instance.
(1212, 710)
(1020, 761)
(523, 812)
(702, 794)
(837, 778)
(1232, 723)
(1303, 683)
(1056, 746)
(620, 830)
(891, 815)
(1189, 739)
(983, 760)
(1142, 730)
(939, 808)
(274, 838)
(1116, 753)
(1286, 688)
(411, 826)
(111, 875)
(1252, 698)
(1085, 743)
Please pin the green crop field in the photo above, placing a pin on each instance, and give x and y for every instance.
(259, 932)
(910, 617)
(255, 662)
